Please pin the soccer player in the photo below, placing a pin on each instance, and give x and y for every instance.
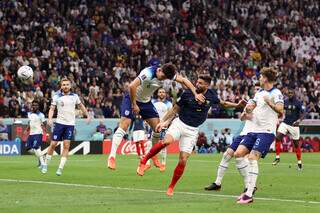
(163, 106)
(294, 114)
(266, 105)
(138, 101)
(36, 125)
(65, 101)
(229, 153)
(185, 128)
(138, 135)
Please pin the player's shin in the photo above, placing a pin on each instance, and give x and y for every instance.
(253, 176)
(178, 172)
(116, 140)
(153, 151)
(37, 152)
(223, 166)
(242, 166)
(278, 148)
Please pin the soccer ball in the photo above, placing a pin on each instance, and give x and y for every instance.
(25, 73)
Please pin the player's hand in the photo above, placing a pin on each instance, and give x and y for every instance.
(242, 103)
(161, 126)
(200, 98)
(50, 122)
(135, 109)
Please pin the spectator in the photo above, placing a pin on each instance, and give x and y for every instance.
(3, 131)
(229, 136)
(101, 128)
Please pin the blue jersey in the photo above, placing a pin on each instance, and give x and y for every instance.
(293, 110)
(138, 124)
(191, 112)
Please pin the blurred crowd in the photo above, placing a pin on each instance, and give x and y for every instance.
(101, 45)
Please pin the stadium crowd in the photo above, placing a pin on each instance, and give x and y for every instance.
(101, 45)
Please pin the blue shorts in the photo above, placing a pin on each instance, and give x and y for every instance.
(147, 110)
(236, 141)
(34, 141)
(260, 142)
(62, 132)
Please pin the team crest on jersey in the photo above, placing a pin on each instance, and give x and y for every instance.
(127, 112)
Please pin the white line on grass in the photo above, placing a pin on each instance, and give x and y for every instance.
(151, 190)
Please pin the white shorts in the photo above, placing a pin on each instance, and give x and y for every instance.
(138, 135)
(294, 131)
(185, 134)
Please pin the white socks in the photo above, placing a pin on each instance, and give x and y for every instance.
(63, 161)
(253, 176)
(163, 154)
(48, 159)
(37, 152)
(242, 166)
(116, 140)
(222, 167)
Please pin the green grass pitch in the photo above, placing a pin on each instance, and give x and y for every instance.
(88, 186)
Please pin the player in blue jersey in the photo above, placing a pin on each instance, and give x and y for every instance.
(229, 153)
(185, 128)
(266, 105)
(138, 135)
(138, 101)
(36, 125)
(294, 114)
(65, 101)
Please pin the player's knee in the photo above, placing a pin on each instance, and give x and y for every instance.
(168, 139)
(279, 136)
(229, 153)
(183, 160)
(238, 154)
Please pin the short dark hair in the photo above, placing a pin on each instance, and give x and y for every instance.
(169, 70)
(257, 84)
(206, 78)
(270, 73)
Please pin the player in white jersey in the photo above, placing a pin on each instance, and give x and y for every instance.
(229, 153)
(162, 105)
(138, 101)
(65, 101)
(36, 125)
(266, 105)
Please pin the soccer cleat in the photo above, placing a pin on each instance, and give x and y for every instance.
(44, 169)
(170, 192)
(156, 162)
(59, 172)
(244, 192)
(141, 169)
(213, 187)
(162, 167)
(112, 163)
(276, 161)
(299, 166)
(245, 200)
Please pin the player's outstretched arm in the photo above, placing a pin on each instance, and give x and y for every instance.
(133, 91)
(85, 112)
(189, 85)
(168, 117)
(227, 104)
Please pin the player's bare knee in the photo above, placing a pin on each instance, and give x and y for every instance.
(229, 152)
(168, 139)
(124, 123)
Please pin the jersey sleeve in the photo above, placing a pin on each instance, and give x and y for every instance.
(278, 97)
(169, 104)
(146, 74)
(54, 100)
(78, 101)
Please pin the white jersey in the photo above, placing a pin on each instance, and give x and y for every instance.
(66, 105)
(248, 127)
(36, 119)
(266, 118)
(162, 107)
(149, 84)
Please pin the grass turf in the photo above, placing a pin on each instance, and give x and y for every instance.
(97, 189)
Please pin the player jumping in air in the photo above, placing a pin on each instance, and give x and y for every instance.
(266, 105)
(65, 101)
(294, 114)
(229, 153)
(36, 125)
(138, 101)
(185, 128)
